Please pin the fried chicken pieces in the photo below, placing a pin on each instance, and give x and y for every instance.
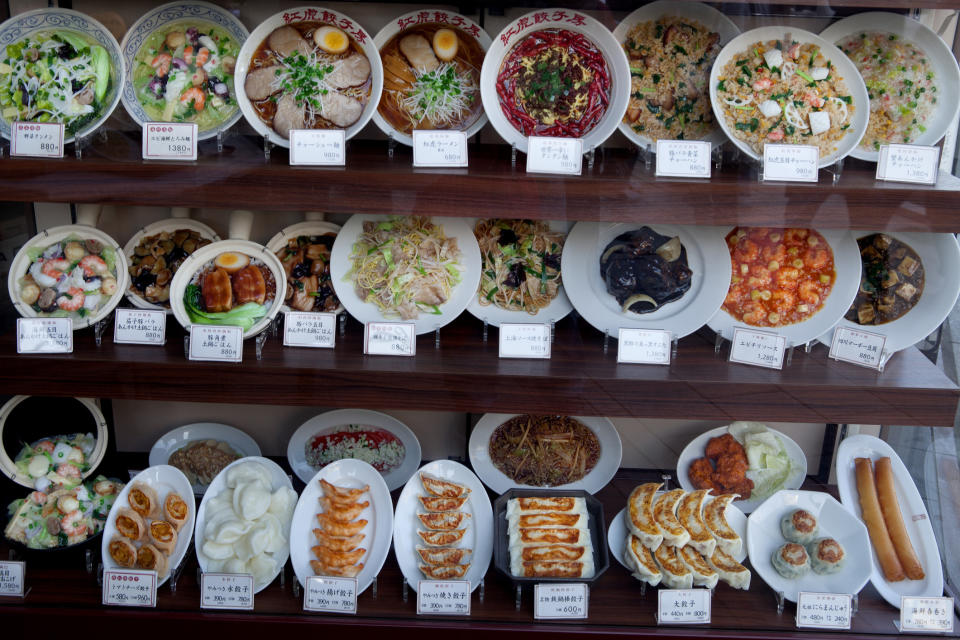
(723, 467)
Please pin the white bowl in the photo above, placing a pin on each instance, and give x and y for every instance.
(180, 437)
(307, 228)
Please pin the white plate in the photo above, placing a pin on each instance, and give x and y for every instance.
(164, 479)
(602, 39)
(479, 535)
(941, 60)
(764, 538)
(912, 509)
(695, 449)
(182, 436)
(611, 451)
(940, 256)
(280, 479)
(308, 228)
(340, 265)
(352, 474)
(464, 25)
(702, 13)
(332, 420)
(707, 256)
(851, 78)
(846, 261)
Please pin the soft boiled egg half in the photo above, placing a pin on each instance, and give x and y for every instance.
(445, 44)
(331, 39)
(231, 261)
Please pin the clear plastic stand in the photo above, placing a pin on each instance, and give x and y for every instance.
(343, 324)
(835, 170)
(100, 574)
(674, 347)
(391, 147)
(854, 605)
(513, 155)
(779, 596)
(283, 577)
(884, 359)
(716, 154)
(295, 590)
(482, 590)
(486, 330)
(759, 163)
(98, 328)
(648, 157)
(436, 339)
(267, 145)
(718, 344)
(518, 598)
(186, 346)
(807, 348)
(220, 137)
(643, 589)
(78, 143)
(261, 340)
(275, 326)
(606, 342)
(374, 586)
(665, 479)
(88, 561)
(553, 330)
(789, 359)
(406, 590)
(591, 157)
(177, 572)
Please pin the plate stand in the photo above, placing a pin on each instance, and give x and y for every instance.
(267, 145)
(391, 147)
(262, 340)
(186, 346)
(405, 590)
(221, 136)
(295, 589)
(665, 479)
(513, 155)
(486, 328)
(436, 339)
(342, 320)
(519, 592)
(482, 590)
(779, 596)
(178, 571)
(674, 346)
(98, 328)
(88, 561)
(716, 153)
(647, 155)
(591, 156)
(78, 143)
(374, 586)
(606, 342)
(835, 170)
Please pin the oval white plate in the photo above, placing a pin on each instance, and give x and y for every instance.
(695, 449)
(941, 60)
(365, 312)
(352, 474)
(332, 420)
(846, 261)
(764, 538)
(164, 479)
(912, 509)
(707, 256)
(308, 228)
(602, 39)
(182, 436)
(611, 451)
(479, 535)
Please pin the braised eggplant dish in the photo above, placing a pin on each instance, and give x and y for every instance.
(644, 270)
(891, 282)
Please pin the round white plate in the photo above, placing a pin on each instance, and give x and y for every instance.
(307, 228)
(851, 78)
(912, 509)
(702, 13)
(352, 474)
(332, 421)
(695, 449)
(182, 436)
(479, 535)
(764, 538)
(340, 265)
(260, 34)
(707, 256)
(164, 479)
(568, 20)
(940, 255)
(161, 17)
(846, 261)
(941, 60)
(611, 451)
(465, 26)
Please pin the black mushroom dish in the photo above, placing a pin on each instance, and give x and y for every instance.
(644, 270)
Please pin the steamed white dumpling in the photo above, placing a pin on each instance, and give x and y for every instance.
(283, 502)
(251, 500)
(263, 568)
(217, 550)
(231, 531)
(278, 540)
(248, 471)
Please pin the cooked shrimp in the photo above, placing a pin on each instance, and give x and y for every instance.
(196, 96)
(754, 313)
(73, 524)
(762, 84)
(45, 446)
(794, 236)
(67, 470)
(104, 488)
(816, 258)
(72, 300)
(188, 54)
(747, 251)
(809, 292)
(784, 301)
(38, 497)
(788, 278)
(54, 268)
(776, 135)
(794, 51)
(162, 64)
(94, 266)
(202, 56)
(814, 100)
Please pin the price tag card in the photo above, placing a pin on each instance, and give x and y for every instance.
(318, 147)
(226, 591)
(644, 346)
(908, 163)
(683, 606)
(36, 139)
(309, 329)
(439, 148)
(170, 141)
(530, 340)
(44, 335)
(139, 326)
(858, 347)
(759, 348)
(791, 162)
(824, 610)
(560, 601)
(390, 339)
(683, 159)
(130, 588)
(13, 578)
(330, 595)
(554, 155)
(216, 343)
(443, 597)
(926, 615)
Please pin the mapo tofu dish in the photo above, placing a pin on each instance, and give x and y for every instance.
(891, 282)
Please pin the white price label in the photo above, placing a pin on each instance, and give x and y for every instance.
(683, 606)
(226, 591)
(926, 615)
(824, 610)
(644, 346)
(170, 141)
(44, 335)
(560, 601)
(759, 348)
(529, 340)
(318, 147)
(13, 578)
(683, 158)
(908, 163)
(139, 326)
(130, 588)
(216, 343)
(443, 597)
(554, 155)
(791, 162)
(390, 339)
(439, 148)
(859, 347)
(36, 139)
(309, 329)
(330, 595)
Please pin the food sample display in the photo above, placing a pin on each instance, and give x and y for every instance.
(202, 460)
(379, 447)
(891, 283)
(644, 270)
(306, 263)
(339, 536)
(156, 258)
(443, 526)
(59, 461)
(147, 528)
(805, 549)
(549, 537)
(544, 451)
(233, 289)
(730, 473)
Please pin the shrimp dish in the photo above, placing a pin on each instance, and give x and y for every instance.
(59, 461)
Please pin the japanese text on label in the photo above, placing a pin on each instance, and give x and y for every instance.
(790, 162)
(524, 340)
(37, 139)
(322, 147)
(554, 155)
(856, 346)
(926, 614)
(439, 148)
(12, 578)
(683, 606)
(644, 346)
(44, 335)
(130, 588)
(309, 329)
(226, 591)
(139, 326)
(908, 163)
(560, 601)
(824, 610)
(683, 158)
(758, 348)
(390, 339)
(443, 597)
(330, 595)
(170, 141)
(209, 342)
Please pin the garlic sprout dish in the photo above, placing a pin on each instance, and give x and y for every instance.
(521, 264)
